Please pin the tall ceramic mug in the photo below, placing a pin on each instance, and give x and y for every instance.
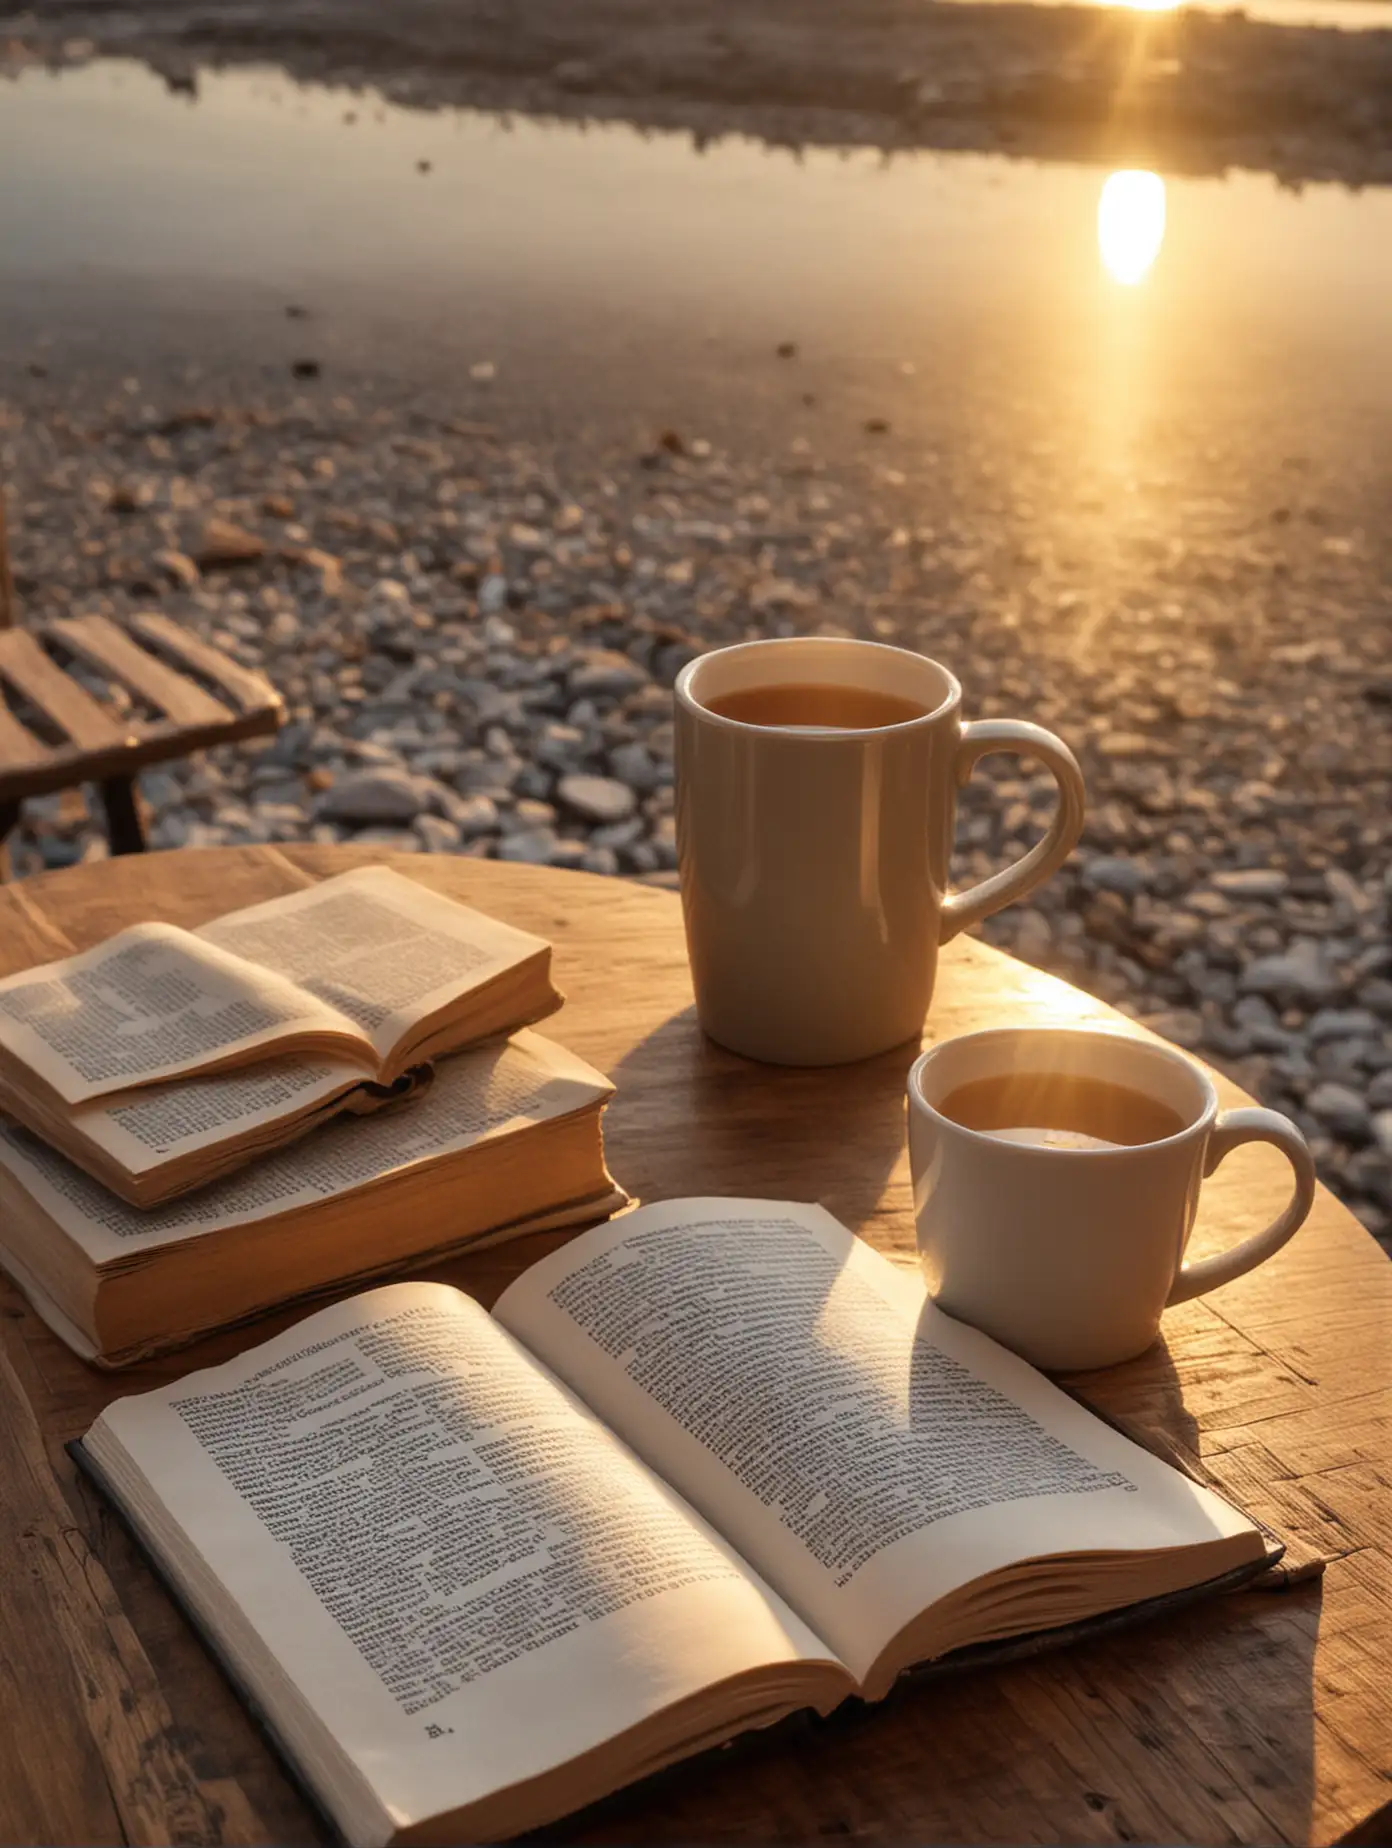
(1069, 1255)
(814, 859)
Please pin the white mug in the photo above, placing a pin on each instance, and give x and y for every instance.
(1068, 1255)
(814, 859)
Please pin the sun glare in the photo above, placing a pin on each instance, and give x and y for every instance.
(1131, 224)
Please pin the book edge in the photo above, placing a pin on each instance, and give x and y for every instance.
(594, 1209)
(88, 1466)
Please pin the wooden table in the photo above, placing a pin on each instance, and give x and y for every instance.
(1261, 1717)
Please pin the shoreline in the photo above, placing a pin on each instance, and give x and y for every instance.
(1186, 92)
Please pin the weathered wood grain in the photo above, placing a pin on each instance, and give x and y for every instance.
(247, 691)
(77, 715)
(1263, 1717)
(98, 640)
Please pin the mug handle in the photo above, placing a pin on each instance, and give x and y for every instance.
(980, 739)
(1232, 1129)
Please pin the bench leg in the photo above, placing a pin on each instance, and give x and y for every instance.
(9, 816)
(123, 829)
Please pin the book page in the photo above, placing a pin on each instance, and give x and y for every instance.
(149, 1003)
(467, 1579)
(474, 1095)
(377, 947)
(865, 1452)
(164, 1121)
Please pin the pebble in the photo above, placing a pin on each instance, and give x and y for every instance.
(635, 765)
(1250, 882)
(436, 834)
(1340, 1109)
(471, 815)
(532, 846)
(602, 799)
(1182, 1025)
(604, 674)
(1299, 973)
(377, 797)
(389, 840)
(223, 543)
(1033, 937)
(1382, 1133)
(177, 566)
(529, 813)
(1334, 1023)
(1126, 878)
(493, 596)
(618, 833)
(1253, 1011)
(1376, 996)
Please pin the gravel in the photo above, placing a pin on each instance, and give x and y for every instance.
(477, 637)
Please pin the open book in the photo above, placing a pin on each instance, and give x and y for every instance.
(704, 1466)
(270, 1020)
(506, 1140)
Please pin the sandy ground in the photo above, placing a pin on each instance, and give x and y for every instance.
(1185, 91)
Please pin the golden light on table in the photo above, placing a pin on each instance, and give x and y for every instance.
(1130, 224)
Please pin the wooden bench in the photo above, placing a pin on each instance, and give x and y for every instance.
(83, 700)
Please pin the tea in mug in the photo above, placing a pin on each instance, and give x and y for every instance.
(816, 707)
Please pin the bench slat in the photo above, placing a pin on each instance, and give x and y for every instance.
(97, 639)
(90, 726)
(250, 691)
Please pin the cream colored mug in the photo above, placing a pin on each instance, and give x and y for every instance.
(814, 859)
(1069, 1255)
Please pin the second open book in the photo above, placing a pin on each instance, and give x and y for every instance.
(164, 1057)
(706, 1465)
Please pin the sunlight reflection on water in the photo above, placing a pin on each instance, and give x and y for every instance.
(1348, 15)
(1130, 224)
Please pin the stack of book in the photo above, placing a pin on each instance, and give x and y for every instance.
(199, 1125)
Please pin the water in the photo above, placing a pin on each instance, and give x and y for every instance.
(1347, 15)
(606, 262)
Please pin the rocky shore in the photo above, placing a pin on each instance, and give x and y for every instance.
(1186, 91)
(477, 639)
